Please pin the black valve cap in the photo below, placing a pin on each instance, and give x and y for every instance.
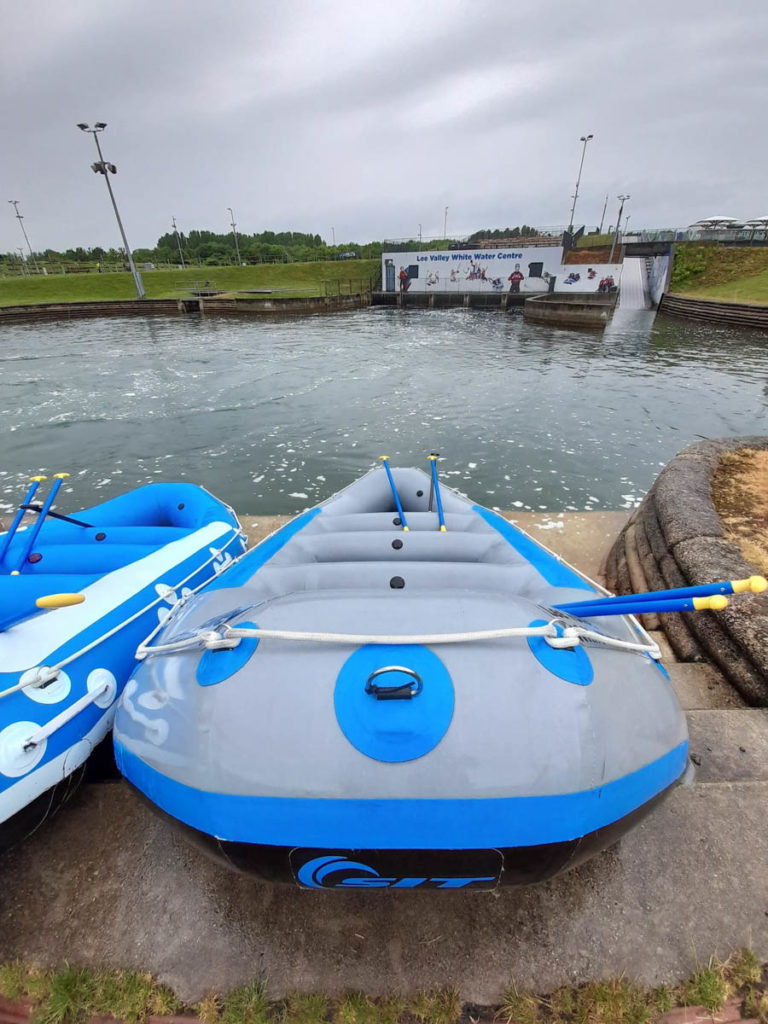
(397, 583)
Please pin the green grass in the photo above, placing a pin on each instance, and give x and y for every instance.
(298, 278)
(73, 995)
(745, 289)
(723, 273)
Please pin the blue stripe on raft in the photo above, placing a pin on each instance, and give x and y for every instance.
(553, 571)
(403, 823)
(247, 566)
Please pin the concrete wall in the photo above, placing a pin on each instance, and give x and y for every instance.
(77, 310)
(282, 306)
(571, 311)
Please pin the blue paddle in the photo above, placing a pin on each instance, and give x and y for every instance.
(58, 479)
(36, 481)
(395, 495)
(754, 584)
(436, 485)
(585, 610)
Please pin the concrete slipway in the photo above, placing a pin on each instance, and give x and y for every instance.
(107, 882)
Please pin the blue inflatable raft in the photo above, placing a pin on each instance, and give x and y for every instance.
(400, 689)
(77, 595)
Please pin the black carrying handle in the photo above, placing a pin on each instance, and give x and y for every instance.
(403, 691)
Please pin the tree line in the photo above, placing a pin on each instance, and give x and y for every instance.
(211, 248)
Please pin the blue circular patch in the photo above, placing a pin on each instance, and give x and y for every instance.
(569, 663)
(216, 666)
(394, 730)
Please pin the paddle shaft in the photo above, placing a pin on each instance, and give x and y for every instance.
(38, 525)
(436, 486)
(702, 590)
(395, 495)
(591, 611)
(18, 517)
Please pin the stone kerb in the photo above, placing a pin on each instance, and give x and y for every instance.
(675, 539)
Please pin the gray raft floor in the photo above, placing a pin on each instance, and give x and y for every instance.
(107, 882)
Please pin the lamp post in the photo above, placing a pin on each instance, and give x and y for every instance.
(178, 241)
(15, 204)
(585, 139)
(445, 224)
(419, 234)
(602, 219)
(24, 267)
(234, 232)
(622, 199)
(103, 167)
(333, 236)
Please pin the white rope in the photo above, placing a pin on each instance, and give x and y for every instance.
(66, 716)
(574, 635)
(48, 674)
(230, 636)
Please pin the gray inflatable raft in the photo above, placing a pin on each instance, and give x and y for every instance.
(357, 705)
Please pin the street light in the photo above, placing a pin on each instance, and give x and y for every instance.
(234, 232)
(178, 241)
(622, 199)
(445, 224)
(103, 167)
(15, 204)
(585, 139)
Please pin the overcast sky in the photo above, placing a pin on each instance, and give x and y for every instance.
(370, 116)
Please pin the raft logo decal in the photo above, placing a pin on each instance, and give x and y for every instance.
(335, 871)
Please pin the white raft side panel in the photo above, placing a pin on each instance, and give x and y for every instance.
(31, 786)
(30, 642)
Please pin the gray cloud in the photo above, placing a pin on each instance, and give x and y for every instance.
(374, 116)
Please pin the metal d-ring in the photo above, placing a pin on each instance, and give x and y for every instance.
(405, 691)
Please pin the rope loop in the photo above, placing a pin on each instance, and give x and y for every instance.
(557, 635)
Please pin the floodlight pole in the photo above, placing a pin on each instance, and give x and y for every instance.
(15, 204)
(602, 219)
(445, 224)
(622, 199)
(178, 241)
(102, 167)
(585, 139)
(234, 232)
(24, 267)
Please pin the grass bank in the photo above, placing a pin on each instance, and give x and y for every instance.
(721, 273)
(76, 995)
(291, 278)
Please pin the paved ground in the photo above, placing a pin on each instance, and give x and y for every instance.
(108, 882)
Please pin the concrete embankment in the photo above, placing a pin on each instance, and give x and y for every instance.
(725, 314)
(108, 882)
(212, 306)
(79, 310)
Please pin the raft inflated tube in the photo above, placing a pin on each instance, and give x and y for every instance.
(59, 600)
(754, 585)
(715, 603)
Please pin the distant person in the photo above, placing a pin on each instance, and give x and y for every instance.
(515, 278)
(403, 278)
